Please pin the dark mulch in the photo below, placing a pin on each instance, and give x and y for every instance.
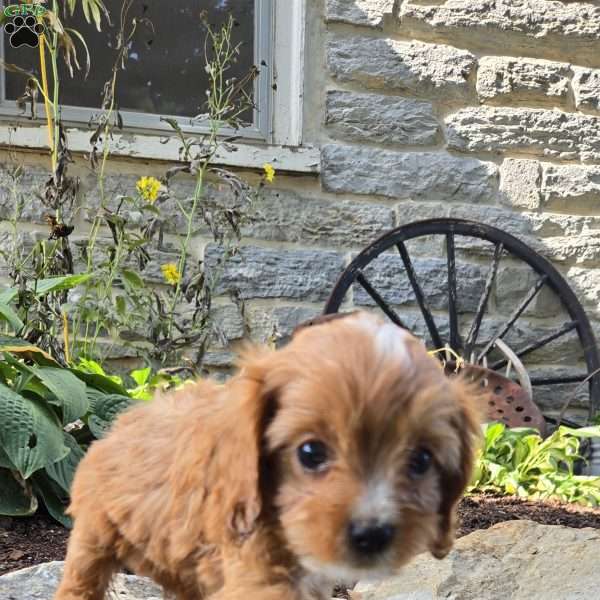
(33, 540)
(29, 541)
(481, 512)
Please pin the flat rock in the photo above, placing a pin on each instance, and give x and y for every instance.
(381, 119)
(566, 31)
(507, 79)
(41, 581)
(431, 70)
(525, 130)
(407, 175)
(369, 13)
(515, 560)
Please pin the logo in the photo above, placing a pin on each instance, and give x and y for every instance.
(24, 29)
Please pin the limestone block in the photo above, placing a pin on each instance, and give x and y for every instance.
(412, 67)
(21, 195)
(539, 132)
(381, 119)
(546, 224)
(278, 322)
(586, 285)
(414, 175)
(228, 324)
(40, 583)
(369, 13)
(581, 249)
(275, 273)
(509, 80)
(586, 87)
(566, 186)
(387, 275)
(498, 563)
(535, 19)
(285, 216)
(520, 183)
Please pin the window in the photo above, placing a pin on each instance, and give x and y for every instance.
(165, 68)
(164, 77)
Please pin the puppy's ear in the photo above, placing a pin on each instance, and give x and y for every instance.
(467, 423)
(239, 452)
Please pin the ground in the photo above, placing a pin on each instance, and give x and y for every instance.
(29, 541)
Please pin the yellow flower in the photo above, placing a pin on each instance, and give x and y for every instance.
(148, 187)
(170, 273)
(269, 172)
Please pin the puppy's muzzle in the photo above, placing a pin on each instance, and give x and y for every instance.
(370, 538)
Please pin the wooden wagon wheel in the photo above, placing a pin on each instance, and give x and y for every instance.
(495, 246)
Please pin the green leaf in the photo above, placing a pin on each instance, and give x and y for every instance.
(141, 376)
(45, 286)
(5, 462)
(95, 14)
(108, 384)
(121, 306)
(105, 408)
(132, 278)
(62, 471)
(584, 432)
(30, 433)
(99, 427)
(26, 350)
(8, 340)
(86, 10)
(90, 366)
(54, 498)
(15, 501)
(7, 373)
(518, 461)
(69, 391)
(9, 315)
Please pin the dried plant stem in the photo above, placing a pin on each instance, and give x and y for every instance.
(56, 90)
(49, 114)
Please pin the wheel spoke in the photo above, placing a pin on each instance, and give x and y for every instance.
(539, 344)
(485, 296)
(425, 311)
(452, 311)
(388, 310)
(558, 380)
(515, 315)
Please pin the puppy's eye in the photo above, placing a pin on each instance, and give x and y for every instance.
(313, 455)
(420, 462)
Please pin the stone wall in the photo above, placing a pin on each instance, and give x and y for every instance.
(479, 109)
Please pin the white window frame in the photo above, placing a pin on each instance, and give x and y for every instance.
(275, 137)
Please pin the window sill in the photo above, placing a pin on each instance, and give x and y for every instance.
(166, 148)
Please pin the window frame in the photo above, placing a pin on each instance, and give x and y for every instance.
(280, 35)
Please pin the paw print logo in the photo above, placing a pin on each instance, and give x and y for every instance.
(24, 31)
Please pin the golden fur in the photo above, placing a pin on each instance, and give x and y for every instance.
(202, 489)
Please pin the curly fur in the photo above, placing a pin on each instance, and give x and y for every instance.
(202, 490)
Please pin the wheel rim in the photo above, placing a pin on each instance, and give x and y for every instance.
(504, 245)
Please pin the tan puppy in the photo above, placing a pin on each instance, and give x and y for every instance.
(339, 457)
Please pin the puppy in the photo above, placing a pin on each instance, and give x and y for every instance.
(338, 457)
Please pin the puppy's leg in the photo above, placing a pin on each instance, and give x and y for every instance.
(90, 562)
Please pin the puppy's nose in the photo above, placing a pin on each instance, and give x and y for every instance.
(370, 538)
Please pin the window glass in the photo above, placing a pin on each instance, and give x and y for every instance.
(165, 67)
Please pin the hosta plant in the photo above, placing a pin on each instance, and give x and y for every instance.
(520, 462)
(48, 416)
